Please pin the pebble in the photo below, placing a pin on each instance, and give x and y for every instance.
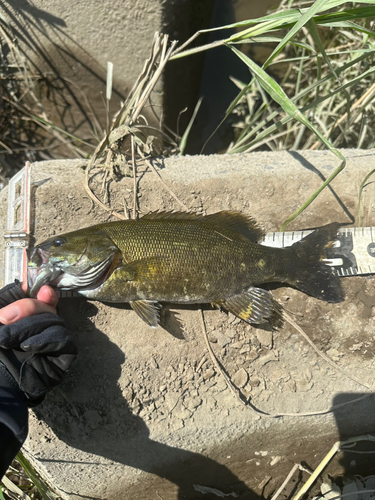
(237, 345)
(192, 403)
(265, 338)
(254, 382)
(222, 339)
(208, 374)
(240, 378)
(231, 333)
(275, 460)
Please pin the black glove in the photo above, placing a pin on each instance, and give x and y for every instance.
(36, 350)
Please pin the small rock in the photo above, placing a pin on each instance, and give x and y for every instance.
(252, 355)
(275, 460)
(254, 382)
(237, 345)
(231, 333)
(303, 385)
(222, 339)
(93, 418)
(153, 363)
(240, 378)
(208, 374)
(192, 403)
(334, 354)
(265, 338)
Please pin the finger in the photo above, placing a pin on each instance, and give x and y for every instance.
(48, 295)
(23, 308)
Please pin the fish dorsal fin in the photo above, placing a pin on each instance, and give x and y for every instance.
(172, 216)
(234, 220)
(238, 222)
(148, 310)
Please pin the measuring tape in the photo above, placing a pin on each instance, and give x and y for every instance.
(18, 226)
(353, 253)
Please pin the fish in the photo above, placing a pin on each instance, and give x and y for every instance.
(185, 258)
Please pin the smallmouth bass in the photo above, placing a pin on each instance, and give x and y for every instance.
(185, 258)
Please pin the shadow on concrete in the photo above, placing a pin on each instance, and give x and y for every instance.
(68, 81)
(309, 166)
(108, 427)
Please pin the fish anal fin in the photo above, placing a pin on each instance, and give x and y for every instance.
(148, 310)
(255, 305)
(229, 219)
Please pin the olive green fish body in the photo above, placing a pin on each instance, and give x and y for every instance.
(184, 258)
(182, 261)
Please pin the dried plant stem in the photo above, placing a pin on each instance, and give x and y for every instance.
(323, 464)
(238, 394)
(287, 479)
(216, 363)
(149, 164)
(135, 213)
(87, 183)
(321, 354)
(369, 94)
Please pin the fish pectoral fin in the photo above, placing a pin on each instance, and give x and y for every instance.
(148, 310)
(255, 305)
(143, 269)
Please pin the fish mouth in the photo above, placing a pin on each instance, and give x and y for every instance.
(41, 271)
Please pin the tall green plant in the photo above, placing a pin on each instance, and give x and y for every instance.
(323, 110)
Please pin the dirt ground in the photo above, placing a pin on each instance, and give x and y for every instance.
(149, 401)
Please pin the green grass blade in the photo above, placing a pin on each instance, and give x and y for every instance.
(239, 148)
(231, 107)
(43, 489)
(1, 494)
(276, 92)
(360, 194)
(314, 33)
(292, 18)
(346, 15)
(305, 18)
(349, 24)
(185, 136)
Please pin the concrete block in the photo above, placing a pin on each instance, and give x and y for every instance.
(144, 413)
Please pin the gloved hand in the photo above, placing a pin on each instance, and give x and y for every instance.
(36, 350)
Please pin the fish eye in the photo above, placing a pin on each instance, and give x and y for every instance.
(58, 241)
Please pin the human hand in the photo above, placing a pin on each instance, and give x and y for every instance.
(35, 347)
(12, 311)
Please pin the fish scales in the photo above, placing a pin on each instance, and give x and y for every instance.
(198, 261)
(184, 258)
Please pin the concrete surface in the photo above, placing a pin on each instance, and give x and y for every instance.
(144, 414)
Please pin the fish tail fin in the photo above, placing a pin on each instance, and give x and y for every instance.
(310, 274)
